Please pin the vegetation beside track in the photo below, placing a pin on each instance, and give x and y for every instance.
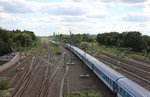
(4, 88)
(54, 47)
(120, 52)
(17, 40)
(117, 44)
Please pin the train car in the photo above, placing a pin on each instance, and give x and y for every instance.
(105, 73)
(128, 88)
(119, 84)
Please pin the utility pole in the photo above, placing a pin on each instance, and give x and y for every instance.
(92, 46)
(25, 46)
(123, 54)
(70, 44)
(54, 36)
(145, 54)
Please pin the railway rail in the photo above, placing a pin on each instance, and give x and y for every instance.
(139, 73)
(144, 67)
(34, 76)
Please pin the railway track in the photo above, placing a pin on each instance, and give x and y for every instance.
(24, 82)
(37, 77)
(22, 62)
(47, 85)
(140, 72)
(140, 76)
(144, 67)
(28, 66)
(142, 61)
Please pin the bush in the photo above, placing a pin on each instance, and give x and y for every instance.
(84, 45)
(57, 50)
(4, 84)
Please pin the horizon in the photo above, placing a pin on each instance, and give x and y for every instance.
(87, 16)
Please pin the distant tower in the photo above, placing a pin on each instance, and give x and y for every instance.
(70, 32)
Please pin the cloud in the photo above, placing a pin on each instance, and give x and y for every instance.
(5, 17)
(133, 1)
(73, 19)
(135, 18)
(97, 14)
(110, 1)
(72, 10)
(80, 16)
(22, 6)
(16, 6)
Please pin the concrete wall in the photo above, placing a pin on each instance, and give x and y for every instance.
(10, 63)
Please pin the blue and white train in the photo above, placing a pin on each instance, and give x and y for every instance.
(119, 84)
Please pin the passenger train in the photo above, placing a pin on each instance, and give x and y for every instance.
(119, 84)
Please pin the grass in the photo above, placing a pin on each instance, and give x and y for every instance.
(4, 88)
(55, 48)
(4, 84)
(43, 51)
(117, 51)
(4, 93)
(31, 50)
(82, 95)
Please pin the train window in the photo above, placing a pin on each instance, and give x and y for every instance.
(104, 77)
(124, 93)
(110, 81)
(128, 95)
(120, 91)
(107, 79)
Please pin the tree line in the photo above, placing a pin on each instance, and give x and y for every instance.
(15, 39)
(131, 39)
(74, 39)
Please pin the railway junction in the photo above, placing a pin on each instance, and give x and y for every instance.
(44, 74)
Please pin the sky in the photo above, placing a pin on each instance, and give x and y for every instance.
(45, 17)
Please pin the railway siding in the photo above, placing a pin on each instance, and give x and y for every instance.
(135, 64)
(128, 67)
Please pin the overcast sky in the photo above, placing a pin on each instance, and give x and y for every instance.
(80, 16)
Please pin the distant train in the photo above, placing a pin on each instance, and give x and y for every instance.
(119, 84)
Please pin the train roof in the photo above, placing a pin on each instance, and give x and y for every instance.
(134, 88)
(106, 69)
